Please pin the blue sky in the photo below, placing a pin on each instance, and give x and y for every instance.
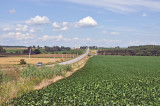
(107, 23)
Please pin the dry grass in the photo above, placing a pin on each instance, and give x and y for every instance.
(8, 61)
(15, 60)
(15, 48)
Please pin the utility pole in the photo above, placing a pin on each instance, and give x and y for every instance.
(54, 58)
(49, 57)
(29, 55)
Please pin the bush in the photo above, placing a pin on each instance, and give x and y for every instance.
(22, 61)
(37, 51)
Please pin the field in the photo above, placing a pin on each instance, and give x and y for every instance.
(45, 58)
(13, 50)
(105, 80)
(20, 50)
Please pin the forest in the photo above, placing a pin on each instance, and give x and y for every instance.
(144, 50)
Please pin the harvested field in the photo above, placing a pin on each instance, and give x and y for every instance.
(15, 60)
(10, 60)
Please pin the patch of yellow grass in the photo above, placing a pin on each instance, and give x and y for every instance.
(16, 60)
(15, 48)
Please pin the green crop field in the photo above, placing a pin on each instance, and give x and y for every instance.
(105, 80)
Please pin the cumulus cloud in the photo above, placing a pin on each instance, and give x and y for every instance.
(86, 22)
(114, 33)
(38, 20)
(60, 26)
(12, 11)
(21, 27)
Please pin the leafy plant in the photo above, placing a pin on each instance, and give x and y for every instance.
(105, 80)
(22, 61)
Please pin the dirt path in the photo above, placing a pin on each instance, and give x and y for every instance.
(47, 82)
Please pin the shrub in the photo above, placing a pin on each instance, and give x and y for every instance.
(37, 51)
(22, 61)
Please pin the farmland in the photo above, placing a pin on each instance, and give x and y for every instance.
(45, 58)
(104, 80)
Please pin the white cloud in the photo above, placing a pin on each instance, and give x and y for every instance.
(23, 36)
(12, 11)
(7, 29)
(56, 25)
(114, 33)
(31, 30)
(75, 38)
(37, 20)
(144, 15)
(18, 36)
(21, 27)
(86, 22)
(65, 24)
(122, 6)
(47, 37)
(60, 26)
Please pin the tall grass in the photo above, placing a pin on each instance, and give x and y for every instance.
(29, 77)
(44, 72)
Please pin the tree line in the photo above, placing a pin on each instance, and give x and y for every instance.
(145, 50)
(56, 48)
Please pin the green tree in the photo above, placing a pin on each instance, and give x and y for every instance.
(37, 51)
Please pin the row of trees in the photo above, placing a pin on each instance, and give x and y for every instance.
(36, 51)
(56, 48)
(147, 50)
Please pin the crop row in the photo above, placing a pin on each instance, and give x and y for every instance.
(105, 80)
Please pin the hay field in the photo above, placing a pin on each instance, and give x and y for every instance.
(15, 60)
(45, 58)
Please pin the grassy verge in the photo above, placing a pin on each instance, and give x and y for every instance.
(28, 78)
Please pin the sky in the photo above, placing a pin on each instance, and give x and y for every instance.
(103, 23)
